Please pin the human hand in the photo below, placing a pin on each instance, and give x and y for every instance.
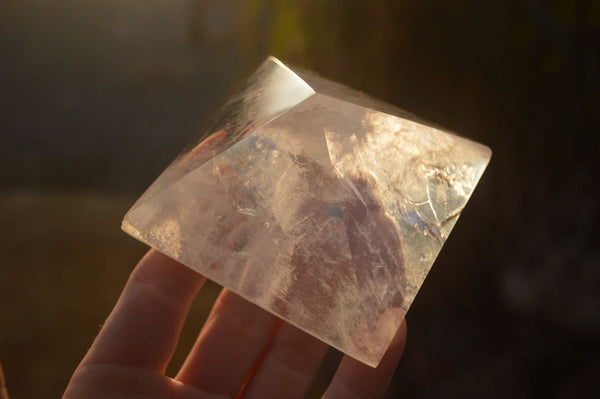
(242, 350)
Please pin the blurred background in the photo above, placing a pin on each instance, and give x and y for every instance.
(97, 96)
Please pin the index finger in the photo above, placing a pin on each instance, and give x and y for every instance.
(143, 328)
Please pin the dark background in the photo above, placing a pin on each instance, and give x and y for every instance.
(97, 96)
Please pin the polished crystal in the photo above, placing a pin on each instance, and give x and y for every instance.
(315, 202)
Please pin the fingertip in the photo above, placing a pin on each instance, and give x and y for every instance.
(355, 380)
(174, 279)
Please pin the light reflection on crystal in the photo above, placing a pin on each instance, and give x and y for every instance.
(323, 206)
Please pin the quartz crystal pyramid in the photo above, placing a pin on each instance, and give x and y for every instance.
(315, 202)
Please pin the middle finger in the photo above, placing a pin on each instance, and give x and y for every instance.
(291, 362)
(230, 343)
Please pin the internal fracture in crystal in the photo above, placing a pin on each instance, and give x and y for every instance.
(315, 202)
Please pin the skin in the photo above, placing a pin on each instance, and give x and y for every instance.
(242, 351)
(3, 391)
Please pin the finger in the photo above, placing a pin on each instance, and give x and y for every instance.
(290, 364)
(3, 391)
(354, 380)
(230, 343)
(143, 328)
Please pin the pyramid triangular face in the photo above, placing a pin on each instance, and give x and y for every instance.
(269, 92)
(320, 209)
